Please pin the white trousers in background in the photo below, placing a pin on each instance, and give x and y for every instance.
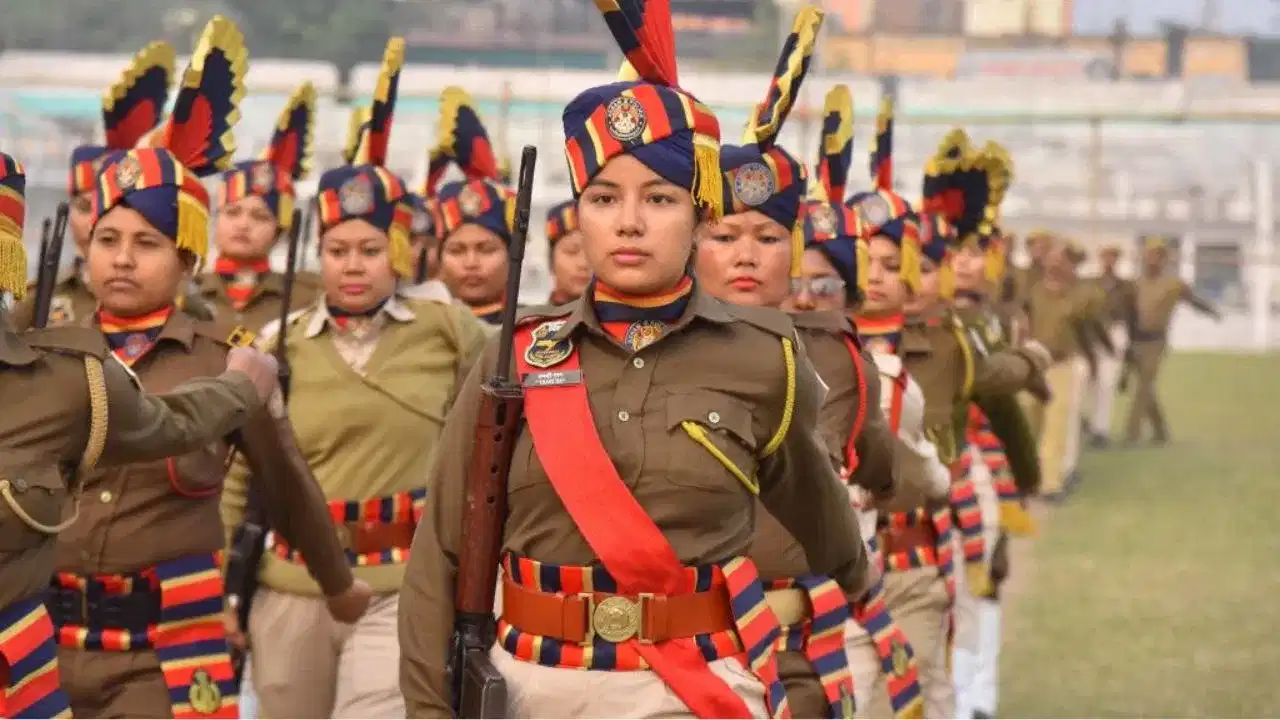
(248, 698)
(1106, 385)
(974, 655)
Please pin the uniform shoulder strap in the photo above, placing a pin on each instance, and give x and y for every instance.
(224, 333)
(770, 320)
(70, 339)
(536, 313)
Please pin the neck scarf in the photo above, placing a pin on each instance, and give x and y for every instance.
(241, 278)
(636, 321)
(131, 337)
(347, 320)
(489, 312)
(881, 334)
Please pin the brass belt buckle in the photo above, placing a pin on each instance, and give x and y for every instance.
(615, 619)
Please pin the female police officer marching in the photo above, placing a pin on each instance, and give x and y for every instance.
(634, 481)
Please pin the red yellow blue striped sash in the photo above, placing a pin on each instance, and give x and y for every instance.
(967, 511)
(1013, 514)
(29, 682)
(897, 659)
(821, 637)
(601, 654)
(756, 637)
(187, 637)
(402, 507)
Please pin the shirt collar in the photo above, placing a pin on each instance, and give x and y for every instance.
(394, 308)
(701, 305)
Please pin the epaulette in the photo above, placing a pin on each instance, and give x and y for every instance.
(770, 320)
(71, 339)
(224, 334)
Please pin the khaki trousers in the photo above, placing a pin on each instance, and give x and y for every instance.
(1057, 423)
(869, 683)
(538, 691)
(104, 684)
(917, 600)
(308, 665)
(1147, 358)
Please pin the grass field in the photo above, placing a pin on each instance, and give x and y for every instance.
(1154, 591)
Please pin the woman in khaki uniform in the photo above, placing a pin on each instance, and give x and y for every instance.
(751, 257)
(634, 481)
(130, 108)
(918, 545)
(569, 270)
(136, 602)
(473, 216)
(373, 375)
(83, 409)
(255, 208)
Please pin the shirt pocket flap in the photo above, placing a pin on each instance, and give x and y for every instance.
(722, 414)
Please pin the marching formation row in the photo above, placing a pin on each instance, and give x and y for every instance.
(759, 455)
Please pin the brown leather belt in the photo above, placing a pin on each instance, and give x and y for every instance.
(615, 618)
(906, 539)
(363, 538)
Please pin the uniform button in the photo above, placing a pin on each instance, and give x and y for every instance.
(106, 496)
(623, 415)
(714, 417)
(20, 485)
(637, 363)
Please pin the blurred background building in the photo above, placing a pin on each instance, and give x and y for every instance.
(1124, 116)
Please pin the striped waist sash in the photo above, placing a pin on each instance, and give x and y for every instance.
(173, 608)
(29, 683)
(1014, 517)
(355, 519)
(897, 659)
(819, 636)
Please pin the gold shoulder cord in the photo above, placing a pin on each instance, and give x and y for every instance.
(93, 450)
(699, 435)
(789, 405)
(970, 368)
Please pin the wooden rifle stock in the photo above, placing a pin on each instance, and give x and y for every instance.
(478, 690)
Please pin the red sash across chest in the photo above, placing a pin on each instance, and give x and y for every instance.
(625, 539)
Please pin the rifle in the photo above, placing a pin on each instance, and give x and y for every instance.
(248, 542)
(307, 222)
(50, 259)
(479, 690)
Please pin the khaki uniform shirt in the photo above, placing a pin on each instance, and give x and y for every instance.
(136, 516)
(264, 304)
(45, 437)
(1156, 299)
(776, 553)
(367, 405)
(721, 366)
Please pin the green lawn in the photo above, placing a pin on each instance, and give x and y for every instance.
(1156, 587)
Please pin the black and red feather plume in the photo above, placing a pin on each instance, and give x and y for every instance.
(646, 36)
(376, 139)
(294, 135)
(136, 102)
(882, 149)
(199, 133)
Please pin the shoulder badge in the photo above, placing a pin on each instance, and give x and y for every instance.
(545, 351)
